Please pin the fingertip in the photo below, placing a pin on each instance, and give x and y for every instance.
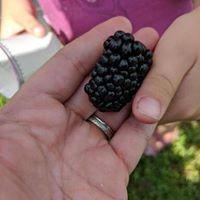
(126, 22)
(149, 36)
(153, 32)
(153, 36)
(39, 31)
(122, 22)
(31, 24)
(146, 110)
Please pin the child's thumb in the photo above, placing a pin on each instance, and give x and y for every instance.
(162, 82)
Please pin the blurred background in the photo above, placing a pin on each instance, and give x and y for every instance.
(174, 173)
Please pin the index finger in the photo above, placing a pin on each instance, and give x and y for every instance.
(62, 75)
(131, 138)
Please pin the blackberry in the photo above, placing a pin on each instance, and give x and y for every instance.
(119, 72)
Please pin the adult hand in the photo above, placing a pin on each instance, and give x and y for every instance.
(171, 90)
(18, 16)
(47, 148)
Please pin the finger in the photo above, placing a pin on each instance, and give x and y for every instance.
(80, 103)
(185, 104)
(30, 23)
(130, 141)
(171, 63)
(62, 75)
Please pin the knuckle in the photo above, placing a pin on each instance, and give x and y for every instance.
(182, 109)
(75, 63)
(189, 114)
(162, 84)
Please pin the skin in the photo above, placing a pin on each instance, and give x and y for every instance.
(13, 23)
(196, 3)
(47, 148)
(174, 79)
(174, 73)
(69, 156)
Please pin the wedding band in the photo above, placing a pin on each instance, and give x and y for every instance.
(105, 128)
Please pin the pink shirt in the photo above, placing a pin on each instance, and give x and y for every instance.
(71, 18)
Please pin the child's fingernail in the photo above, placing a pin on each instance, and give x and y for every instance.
(149, 107)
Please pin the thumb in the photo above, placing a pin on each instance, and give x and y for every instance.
(171, 63)
(30, 23)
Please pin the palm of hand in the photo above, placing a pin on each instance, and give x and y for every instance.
(63, 156)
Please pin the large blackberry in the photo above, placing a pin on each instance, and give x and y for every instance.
(119, 72)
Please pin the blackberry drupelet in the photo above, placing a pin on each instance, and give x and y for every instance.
(119, 72)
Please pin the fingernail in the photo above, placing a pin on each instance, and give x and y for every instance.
(149, 107)
(38, 31)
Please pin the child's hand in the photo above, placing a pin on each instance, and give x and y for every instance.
(175, 76)
(18, 16)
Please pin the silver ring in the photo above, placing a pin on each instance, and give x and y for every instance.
(105, 128)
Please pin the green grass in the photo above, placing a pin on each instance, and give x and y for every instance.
(2, 100)
(173, 174)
